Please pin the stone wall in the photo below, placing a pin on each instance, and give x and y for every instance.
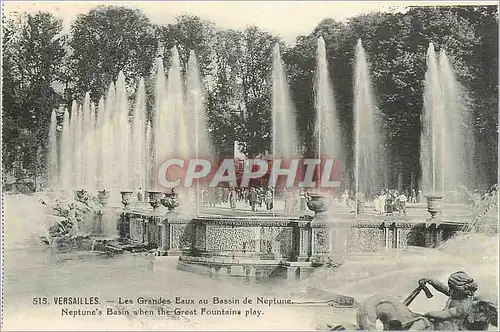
(282, 239)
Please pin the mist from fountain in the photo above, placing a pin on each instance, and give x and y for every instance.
(99, 139)
(66, 152)
(180, 126)
(52, 160)
(197, 140)
(149, 157)
(159, 113)
(284, 142)
(137, 166)
(122, 134)
(75, 141)
(197, 136)
(369, 139)
(447, 144)
(114, 147)
(107, 139)
(169, 135)
(327, 127)
(431, 132)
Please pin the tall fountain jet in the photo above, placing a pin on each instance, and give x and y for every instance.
(197, 140)
(460, 128)
(76, 145)
(137, 165)
(149, 157)
(199, 145)
(327, 127)
(169, 126)
(160, 117)
(369, 139)
(107, 141)
(99, 140)
(114, 147)
(284, 143)
(66, 169)
(173, 125)
(52, 160)
(446, 144)
(122, 134)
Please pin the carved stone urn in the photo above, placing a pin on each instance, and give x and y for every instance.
(170, 201)
(434, 205)
(319, 203)
(155, 198)
(126, 198)
(103, 196)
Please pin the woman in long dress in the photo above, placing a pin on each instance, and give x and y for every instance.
(381, 202)
(376, 203)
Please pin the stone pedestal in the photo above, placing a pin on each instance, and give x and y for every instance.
(292, 272)
(164, 236)
(137, 229)
(153, 231)
(387, 236)
(304, 241)
(124, 227)
(320, 241)
(181, 233)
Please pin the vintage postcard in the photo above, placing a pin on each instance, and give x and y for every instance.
(249, 166)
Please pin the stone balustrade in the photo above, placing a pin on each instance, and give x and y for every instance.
(285, 239)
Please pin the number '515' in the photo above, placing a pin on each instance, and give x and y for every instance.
(40, 300)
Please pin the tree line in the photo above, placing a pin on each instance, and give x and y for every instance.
(45, 68)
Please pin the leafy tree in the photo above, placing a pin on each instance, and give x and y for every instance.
(484, 86)
(225, 107)
(189, 33)
(39, 63)
(33, 50)
(396, 44)
(108, 40)
(258, 48)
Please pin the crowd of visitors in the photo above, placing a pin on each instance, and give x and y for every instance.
(256, 198)
(387, 202)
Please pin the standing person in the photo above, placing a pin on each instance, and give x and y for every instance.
(204, 196)
(376, 203)
(232, 198)
(140, 195)
(389, 203)
(351, 202)
(401, 200)
(260, 196)
(381, 203)
(303, 199)
(287, 200)
(360, 203)
(252, 198)
(269, 199)
(245, 195)
(420, 197)
(344, 197)
(212, 196)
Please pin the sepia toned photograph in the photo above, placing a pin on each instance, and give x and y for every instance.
(249, 165)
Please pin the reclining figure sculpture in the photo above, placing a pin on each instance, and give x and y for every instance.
(463, 310)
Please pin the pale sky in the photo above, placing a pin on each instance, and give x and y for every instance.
(284, 18)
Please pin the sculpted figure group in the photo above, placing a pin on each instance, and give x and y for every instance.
(463, 310)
